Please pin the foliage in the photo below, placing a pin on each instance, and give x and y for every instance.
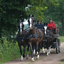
(57, 14)
(61, 38)
(8, 51)
(12, 10)
(38, 6)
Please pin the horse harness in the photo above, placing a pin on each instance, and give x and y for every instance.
(38, 35)
(21, 37)
(25, 37)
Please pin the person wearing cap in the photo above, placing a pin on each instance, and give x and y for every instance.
(39, 25)
(51, 26)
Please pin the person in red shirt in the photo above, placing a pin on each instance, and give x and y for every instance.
(51, 26)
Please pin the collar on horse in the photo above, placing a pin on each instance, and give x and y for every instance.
(20, 38)
(35, 35)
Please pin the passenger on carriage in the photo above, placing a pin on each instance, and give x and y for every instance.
(39, 25)
(51, 26)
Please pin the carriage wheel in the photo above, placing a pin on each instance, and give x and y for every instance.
(57, 51)
(57, 47)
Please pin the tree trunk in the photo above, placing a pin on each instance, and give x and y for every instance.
(63, 23)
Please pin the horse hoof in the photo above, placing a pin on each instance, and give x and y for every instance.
(37, 56)
(21, 57)
(33, 59)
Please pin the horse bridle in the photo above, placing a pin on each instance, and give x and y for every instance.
(45, 29)
(21, 28)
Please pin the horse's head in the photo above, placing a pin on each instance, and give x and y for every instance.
(45, 28)
(20, 25)
(31, 21)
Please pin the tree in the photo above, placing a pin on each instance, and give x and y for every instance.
(11, 11)
(39, 6)
(57, 14)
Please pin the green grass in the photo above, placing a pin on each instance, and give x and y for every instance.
(62, 63)
(1, 62)
(61, 38)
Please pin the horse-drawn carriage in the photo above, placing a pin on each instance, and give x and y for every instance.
(37, 37)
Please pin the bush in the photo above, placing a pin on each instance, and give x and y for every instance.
(8, 50)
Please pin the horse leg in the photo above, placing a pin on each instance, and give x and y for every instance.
(37, 50)
(31, 51)
(48, 50)
(24, 51)
(21, 52)
(34, 49)
(49, 47)
(27, 52)
(43, 48)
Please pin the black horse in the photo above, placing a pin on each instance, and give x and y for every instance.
(35, 38)
(21, 38)
(48, 38)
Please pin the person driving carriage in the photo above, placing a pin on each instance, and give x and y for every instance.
(51, 26)
(39, 25)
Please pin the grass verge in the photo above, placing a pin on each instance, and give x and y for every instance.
(61, 38)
